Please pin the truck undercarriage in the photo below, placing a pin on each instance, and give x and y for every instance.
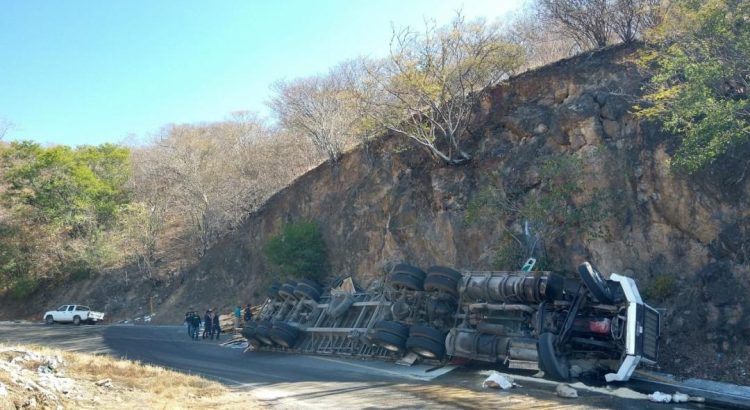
(520, 319)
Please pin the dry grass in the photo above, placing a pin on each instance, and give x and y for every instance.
(133, 385)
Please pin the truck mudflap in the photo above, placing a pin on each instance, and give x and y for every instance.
(642, 331)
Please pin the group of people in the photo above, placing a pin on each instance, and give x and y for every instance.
(211, 325)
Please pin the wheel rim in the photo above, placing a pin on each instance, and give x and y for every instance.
(423, 352)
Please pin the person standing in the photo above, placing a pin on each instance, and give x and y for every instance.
(208, 320)
(216, 325)
(196, 321)
(189, 321)
(237, 316)
(248, 314)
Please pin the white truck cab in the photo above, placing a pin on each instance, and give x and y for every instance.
(75, 314)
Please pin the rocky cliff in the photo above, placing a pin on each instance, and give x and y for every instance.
(686, 240)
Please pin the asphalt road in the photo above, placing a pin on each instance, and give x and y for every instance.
(296, 381)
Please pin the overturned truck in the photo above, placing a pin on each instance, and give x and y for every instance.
(522, 320)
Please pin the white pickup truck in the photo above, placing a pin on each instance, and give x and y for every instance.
(73, 313)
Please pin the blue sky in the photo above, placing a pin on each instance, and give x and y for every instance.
(88, 72)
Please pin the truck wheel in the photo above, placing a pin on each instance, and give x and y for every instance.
(427, 332)
(449, 273)
(397, 329)
(263, 332)
(287, 290)
(76, 320)
(305, 291)
(555, 367)
(49, 320)
(389, 341)
(426, 347)
(248, 332)
(403, 281)
(284, 334)
(409, 270)
(435, 283)
(311, 283)
(595, 283)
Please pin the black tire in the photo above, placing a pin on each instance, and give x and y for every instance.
(339, 304)
(389, 341)
(77, 320)
(263, 332)
(427, 332)
(409, 270)
(395, 328)
(49, 320)
(284, 334)
(435, 283)
(425, 347)
(287, 290)
(595, 283)
(248, 332)
(403, 281)
(273, 291)
(555, 367)
(311, 283)
(305, 291)
(445, 272)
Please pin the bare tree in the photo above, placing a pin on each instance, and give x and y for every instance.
(426, 90)
(585, 21)
(541, 40)
(322, 108)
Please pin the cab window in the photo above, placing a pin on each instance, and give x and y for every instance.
(70, 308)
(62, 308)
(82, 308)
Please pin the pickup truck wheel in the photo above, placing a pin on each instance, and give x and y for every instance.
(389, 341)
(49, 320)
(404, 281)
(76, 320)
(555, 367)
(398, 329)
(425, 347)
(595, 283)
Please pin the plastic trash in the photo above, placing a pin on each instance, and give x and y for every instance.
(680, 398)
(659, 397)
(498, 381)
(563, 390)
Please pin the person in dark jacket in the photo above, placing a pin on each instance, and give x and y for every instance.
(248, 313)
(196, 321)
(208, 320)
(216, 325)
(189, 321)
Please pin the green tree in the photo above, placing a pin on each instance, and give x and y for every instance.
(299, 250)
(699, 90)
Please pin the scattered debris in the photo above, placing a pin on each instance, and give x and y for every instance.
(575, 371)
(539, 374)
(680, 398)
(563, 390)
(659, 397)
(498, 381)
(3, 390)
(104, 383)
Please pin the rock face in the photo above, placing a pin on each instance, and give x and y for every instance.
(686, 240)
